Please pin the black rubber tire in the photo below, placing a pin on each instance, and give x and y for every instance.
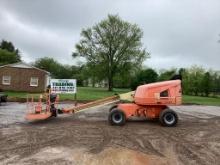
(116, 117)
(3, 98)
(168, 118)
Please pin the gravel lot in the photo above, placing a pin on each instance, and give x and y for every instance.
(86, 138)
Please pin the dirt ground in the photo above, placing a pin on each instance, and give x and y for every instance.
(87, 138)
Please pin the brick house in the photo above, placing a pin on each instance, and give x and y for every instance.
(23, 77)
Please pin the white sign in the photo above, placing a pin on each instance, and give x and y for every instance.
(63, 85)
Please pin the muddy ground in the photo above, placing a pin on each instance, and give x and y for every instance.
(87, 138)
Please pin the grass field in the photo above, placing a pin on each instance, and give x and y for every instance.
(83, 93)
(201, 100)
(89, 94)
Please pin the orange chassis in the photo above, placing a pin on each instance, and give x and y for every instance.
(148, 111)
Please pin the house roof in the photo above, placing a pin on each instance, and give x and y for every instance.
(23, 65)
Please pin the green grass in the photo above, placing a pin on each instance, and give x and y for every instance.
(83, 93)
(89, 94)
(201, 100)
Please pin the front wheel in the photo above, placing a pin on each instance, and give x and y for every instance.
(168, 118)
(116, 117)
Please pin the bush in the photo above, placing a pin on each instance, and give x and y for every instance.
(144, 77)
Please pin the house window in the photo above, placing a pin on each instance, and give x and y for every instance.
(164, 93)
(6, 80)
(34, 82)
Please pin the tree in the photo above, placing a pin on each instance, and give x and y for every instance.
(186, 84)
(215, 83)
(77, 73)
(56, 69)
(7, 57)
(192, 80)
(167, 74)
(59, 70)
(124, 76)
(48, 64)
(144, 77)
(111, 45)
(206, 84)
(93, 73)
(8, 46)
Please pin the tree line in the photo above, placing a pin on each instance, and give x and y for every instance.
(196, 80)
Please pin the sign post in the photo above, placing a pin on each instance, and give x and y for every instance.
(67, 86)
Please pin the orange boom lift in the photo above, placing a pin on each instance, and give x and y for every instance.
(150, 101)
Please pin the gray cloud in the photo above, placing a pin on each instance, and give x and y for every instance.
(176, 33)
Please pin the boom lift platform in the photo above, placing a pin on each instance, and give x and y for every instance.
(150, 101)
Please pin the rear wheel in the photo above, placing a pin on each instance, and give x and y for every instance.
(168, 118)
(116, 117)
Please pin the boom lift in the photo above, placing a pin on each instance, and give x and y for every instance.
(150, 100)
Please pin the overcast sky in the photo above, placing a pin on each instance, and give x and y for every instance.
(177, 33)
